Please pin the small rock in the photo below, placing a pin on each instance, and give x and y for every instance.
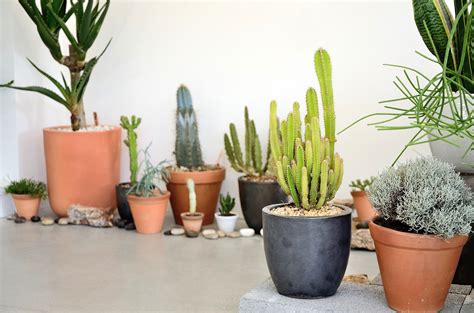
(191, 234)
(177, 231)
(35, 219)
(361, 239)
(63, 221)
(46, 221)
(261, 232)
(12, 217)
(212, 236)
(167, 233)
(358, 279)
(122, 223)
(207, 232)
(363, 225)
(221, 233)
(20, 219)
(247, 232)
(130, 226)
(234, 234)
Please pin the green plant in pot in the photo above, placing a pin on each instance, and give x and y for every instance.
(82, 162)
(307, 242)
(189, 164)
(364, 208)
(226, 220)
(258, 186)
(192, 220)
(27, 194)
(425, 214)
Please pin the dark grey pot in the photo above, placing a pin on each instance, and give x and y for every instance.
(254, 196)
(123, 207)
(307, 256)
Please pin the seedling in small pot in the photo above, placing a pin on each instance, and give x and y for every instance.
(27, 195)
(364, 208)
(192, 220)
(226, 220)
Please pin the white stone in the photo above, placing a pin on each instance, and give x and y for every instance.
(207, 232)
(261, 232)
(234, 234)
(47, 221)
(63, 221)
(177, 231)
(221, 233)
(247, 232)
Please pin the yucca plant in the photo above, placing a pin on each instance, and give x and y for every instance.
(307, 167)
(50, 19)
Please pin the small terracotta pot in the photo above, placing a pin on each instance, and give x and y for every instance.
(365, 210)
(416, 270)
(26, 205)
(192, 221)
(82, 168)
(149, 212)
(208, 186)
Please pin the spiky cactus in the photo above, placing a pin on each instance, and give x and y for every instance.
(131, 143)
(252, 164)
(192, 196)
(187, 146)
(307, 168)
(227, 204)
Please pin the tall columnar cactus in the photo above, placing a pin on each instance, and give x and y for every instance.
(187, 146)
(131, 143)
(192, 196)
(307, 168)
(252, 164)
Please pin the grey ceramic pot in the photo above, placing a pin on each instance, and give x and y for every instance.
(307, 256)
(254, 196)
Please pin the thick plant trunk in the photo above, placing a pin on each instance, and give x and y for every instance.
(78, 115)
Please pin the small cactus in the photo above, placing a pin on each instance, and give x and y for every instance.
(361, 185)
(192, 196)
(131, 143)
(187, 146)
(227, 203)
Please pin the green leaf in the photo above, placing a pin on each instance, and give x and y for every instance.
(52, 79)
(44, 91)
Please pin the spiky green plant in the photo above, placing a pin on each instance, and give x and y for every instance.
(192, 195)
(27, 186)
(252, 165)
(187, 146)
(50, 18)
(361, 185)
(131, 142)
(227, 203)
(307, 167)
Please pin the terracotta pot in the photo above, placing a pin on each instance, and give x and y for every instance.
(365, 210)
(82, 168)
(149, 212)
(208, 186)
(192, 221)
(416, 270)
(26, 205)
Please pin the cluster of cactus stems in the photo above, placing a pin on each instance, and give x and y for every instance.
(227, 203)
(131, 142)
(192, 195)
(307, 167)
(361, 185)
(187, 146)
(252, 165)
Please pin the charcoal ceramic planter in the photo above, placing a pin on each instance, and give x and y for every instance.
(254, 196)
(307, 256)
(465, 270)
(123, 206)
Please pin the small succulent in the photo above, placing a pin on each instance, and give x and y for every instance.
(227, 203)
(361, 185)
(27, 186)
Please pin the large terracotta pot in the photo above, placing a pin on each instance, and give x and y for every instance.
(82, 167)
(416, 270)
(364, 208)
(208, 186)
(149, 212)
(26, 206)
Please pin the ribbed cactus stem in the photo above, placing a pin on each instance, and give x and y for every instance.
(299, 167)
(274, 138)
(282, 177)
(304, 188)
(324, 184)
(248, 139)
(131, 142)
(192, 195)
(292, 186)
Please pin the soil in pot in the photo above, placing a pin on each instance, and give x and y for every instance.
(416, 269)
(307, 256)
(149, 212)
(121, 193)
(364, 208)
(207, 185)
(192, 222)
(226, 223)
(26, 206)
(255, 193)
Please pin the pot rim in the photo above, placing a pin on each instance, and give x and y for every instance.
(218, 215)
(195, 216)
(54, 129)
(24, 196)
(241, 179)
(157, 198)
(200, 177)
(267, 209)
(122, 184)
(359, 193)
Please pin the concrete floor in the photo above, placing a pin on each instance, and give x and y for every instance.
(83, 269)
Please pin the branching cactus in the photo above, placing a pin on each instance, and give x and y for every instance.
(131, 143)
(307, 167)
(192, 196)
(361, 185)
(252, 165)
(187, 146)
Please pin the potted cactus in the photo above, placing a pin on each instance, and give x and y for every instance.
(425, 214)
(364, 208)
(148, 197)
(82, 161)
(258, 186)
(121, 190)
(307, 242)
(27, 195)
(192, 220)
(226, 220)
(189, 164)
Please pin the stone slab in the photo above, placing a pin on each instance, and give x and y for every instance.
(468, 306)
(350, 297)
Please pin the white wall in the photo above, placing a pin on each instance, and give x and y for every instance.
(229, 54)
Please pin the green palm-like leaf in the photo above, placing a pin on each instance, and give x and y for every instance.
(44, 91)
(56, 83)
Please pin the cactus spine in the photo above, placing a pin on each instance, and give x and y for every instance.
(307, 167)
(131, 142)
(187, 146)
(192, 195)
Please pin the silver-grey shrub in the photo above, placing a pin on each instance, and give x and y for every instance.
(425, 194)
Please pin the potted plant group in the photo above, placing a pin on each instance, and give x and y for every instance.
(226, 220)
(192, 220)
(425, 214)
(148, 198)
(307, 242)
(189, 164)
(258, 186)
(82, 161)
(364, 208)
(27, 195)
